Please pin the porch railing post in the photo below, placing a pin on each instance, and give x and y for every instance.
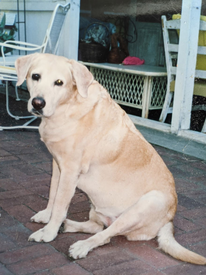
(184, 85)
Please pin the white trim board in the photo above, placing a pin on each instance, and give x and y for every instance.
(31, 5)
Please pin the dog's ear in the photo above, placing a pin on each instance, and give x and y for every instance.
(22, 66)
(82, 77)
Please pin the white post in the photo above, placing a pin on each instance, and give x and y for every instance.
(70, 38)
(187, 55)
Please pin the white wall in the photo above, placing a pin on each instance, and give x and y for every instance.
(37, 17)
(38, 14)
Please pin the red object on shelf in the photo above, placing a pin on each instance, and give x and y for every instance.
(132, 60)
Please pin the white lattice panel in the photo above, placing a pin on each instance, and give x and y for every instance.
(127, 89)
(159, 87)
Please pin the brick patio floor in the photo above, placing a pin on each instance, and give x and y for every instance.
(25, 171)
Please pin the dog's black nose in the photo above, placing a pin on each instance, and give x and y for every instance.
(38, 103)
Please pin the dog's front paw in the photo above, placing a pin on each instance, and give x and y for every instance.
(43, 235)
(42, 216)
(79, 250)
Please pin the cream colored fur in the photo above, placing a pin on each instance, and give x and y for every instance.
(96, 148)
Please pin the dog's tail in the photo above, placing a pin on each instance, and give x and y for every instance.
(169, 245)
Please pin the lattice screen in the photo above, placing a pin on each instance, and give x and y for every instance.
(159, 87)
(127, 89)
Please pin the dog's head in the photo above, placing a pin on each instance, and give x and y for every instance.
(51, 80)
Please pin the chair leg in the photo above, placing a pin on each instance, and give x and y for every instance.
(7, 102)
(17, 94)
(7, 106)
(166, 109)
(25, 125)
(204, 128)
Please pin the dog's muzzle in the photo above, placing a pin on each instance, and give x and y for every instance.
(38, 103)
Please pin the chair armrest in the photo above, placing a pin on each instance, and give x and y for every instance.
(26, 46)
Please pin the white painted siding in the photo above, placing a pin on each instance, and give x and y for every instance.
(38, 14)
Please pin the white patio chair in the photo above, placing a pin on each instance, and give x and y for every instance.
(9, 74)
(50, 45)
(171, 52)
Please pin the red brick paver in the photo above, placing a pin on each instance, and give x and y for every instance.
(25, 171)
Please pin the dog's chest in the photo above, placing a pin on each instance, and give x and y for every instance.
(103, 194)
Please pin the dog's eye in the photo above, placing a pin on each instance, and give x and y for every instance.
(36, 77)
(58, 82)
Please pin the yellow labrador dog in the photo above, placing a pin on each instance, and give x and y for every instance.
(96, 148)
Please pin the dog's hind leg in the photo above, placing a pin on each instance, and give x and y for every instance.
(93, 225)
(148, 215)
(86, 227)
(45, 215)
